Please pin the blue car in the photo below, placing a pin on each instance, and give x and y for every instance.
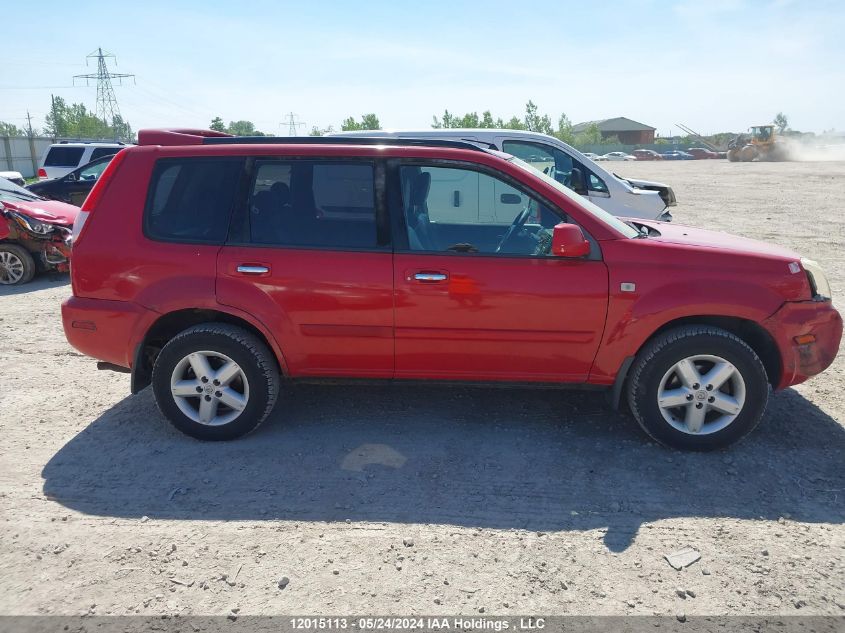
(677, 155)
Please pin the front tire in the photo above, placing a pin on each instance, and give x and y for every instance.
(215, 381)
(16, 264)
(698, 388)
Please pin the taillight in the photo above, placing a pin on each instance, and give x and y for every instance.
(42, 173)
(95, 194)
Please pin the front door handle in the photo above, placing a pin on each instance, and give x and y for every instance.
(247, 269)
(430, 277)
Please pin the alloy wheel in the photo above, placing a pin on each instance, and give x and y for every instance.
(11, 268)
(209, 388)
(701, 394)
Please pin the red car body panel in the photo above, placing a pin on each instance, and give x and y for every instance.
(746, 286)
(337, 313)
(512, 319)
(332, 312)
(48, 211)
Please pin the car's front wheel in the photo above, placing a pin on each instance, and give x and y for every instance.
(215, 381)
(16, 264)
(698, 388)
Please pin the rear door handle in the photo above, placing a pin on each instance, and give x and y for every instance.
(247, 269)
(430, 277)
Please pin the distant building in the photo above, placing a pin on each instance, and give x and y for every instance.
(629, 132)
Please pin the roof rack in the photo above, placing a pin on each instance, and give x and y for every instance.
(338, 140)
(182, 136)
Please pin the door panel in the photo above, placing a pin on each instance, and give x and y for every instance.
(330, 312)
(306, 260)
(504, 309)
(498, 318)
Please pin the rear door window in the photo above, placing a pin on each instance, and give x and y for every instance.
(63, 156)
(313, 204)
(191, 199)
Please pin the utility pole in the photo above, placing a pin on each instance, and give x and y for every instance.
(293, 124)
(107, 108)
(31, 136)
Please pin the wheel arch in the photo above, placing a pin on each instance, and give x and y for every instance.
(168, 325)
(754, 334)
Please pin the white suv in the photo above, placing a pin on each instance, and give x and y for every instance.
(63, 158)
(624, 197)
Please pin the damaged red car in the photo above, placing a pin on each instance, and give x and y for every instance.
(34, 234)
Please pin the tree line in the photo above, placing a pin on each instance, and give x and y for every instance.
(532, 120)
(74, 120)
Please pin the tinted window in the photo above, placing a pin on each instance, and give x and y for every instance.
(63, 156)
(99, 152)
(191, 199)
(465, 211)
(311, 203)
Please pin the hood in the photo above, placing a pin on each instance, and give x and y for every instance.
(642, 184)
(672, 233)
(49, 211)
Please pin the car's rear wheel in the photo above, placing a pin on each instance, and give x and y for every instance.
(215, 381)
(16, 264)
(698, 388)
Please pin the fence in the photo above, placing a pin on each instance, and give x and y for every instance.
(23, 153)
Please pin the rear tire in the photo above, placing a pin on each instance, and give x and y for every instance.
(16, 264)
(698, 388)
(215, 381)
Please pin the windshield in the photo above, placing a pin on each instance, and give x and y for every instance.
(13, 193)
(585, 204)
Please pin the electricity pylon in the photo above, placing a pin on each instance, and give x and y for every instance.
(107, 108)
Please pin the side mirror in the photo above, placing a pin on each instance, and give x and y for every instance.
(71, 177)
(568, 241)
(577, 182)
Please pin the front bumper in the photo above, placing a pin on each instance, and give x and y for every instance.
(807, 334)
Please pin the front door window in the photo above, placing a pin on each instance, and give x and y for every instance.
(450, 209)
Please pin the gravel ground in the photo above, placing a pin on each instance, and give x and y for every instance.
(426, 500)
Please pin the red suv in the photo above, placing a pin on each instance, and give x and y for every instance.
(212, 266)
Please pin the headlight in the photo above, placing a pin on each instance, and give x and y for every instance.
(818, 280)
(34, 226)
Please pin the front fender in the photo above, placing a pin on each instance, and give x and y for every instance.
(657, 301)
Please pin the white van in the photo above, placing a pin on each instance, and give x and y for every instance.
(624, 197)
(62, 158)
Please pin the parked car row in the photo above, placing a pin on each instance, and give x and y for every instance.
(695, 153)
(213, 266)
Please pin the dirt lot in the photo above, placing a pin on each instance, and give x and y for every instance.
(434, 500)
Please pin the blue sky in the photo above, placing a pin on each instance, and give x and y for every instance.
(710, 64)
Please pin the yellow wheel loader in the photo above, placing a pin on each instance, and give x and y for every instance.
(762, 145)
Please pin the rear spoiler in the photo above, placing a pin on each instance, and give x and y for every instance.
(166, 136)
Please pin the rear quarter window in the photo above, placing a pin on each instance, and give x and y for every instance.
(63, 156)
(99, 152)
(191, 199)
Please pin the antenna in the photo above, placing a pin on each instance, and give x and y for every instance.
(292, 123)
(107, 108)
